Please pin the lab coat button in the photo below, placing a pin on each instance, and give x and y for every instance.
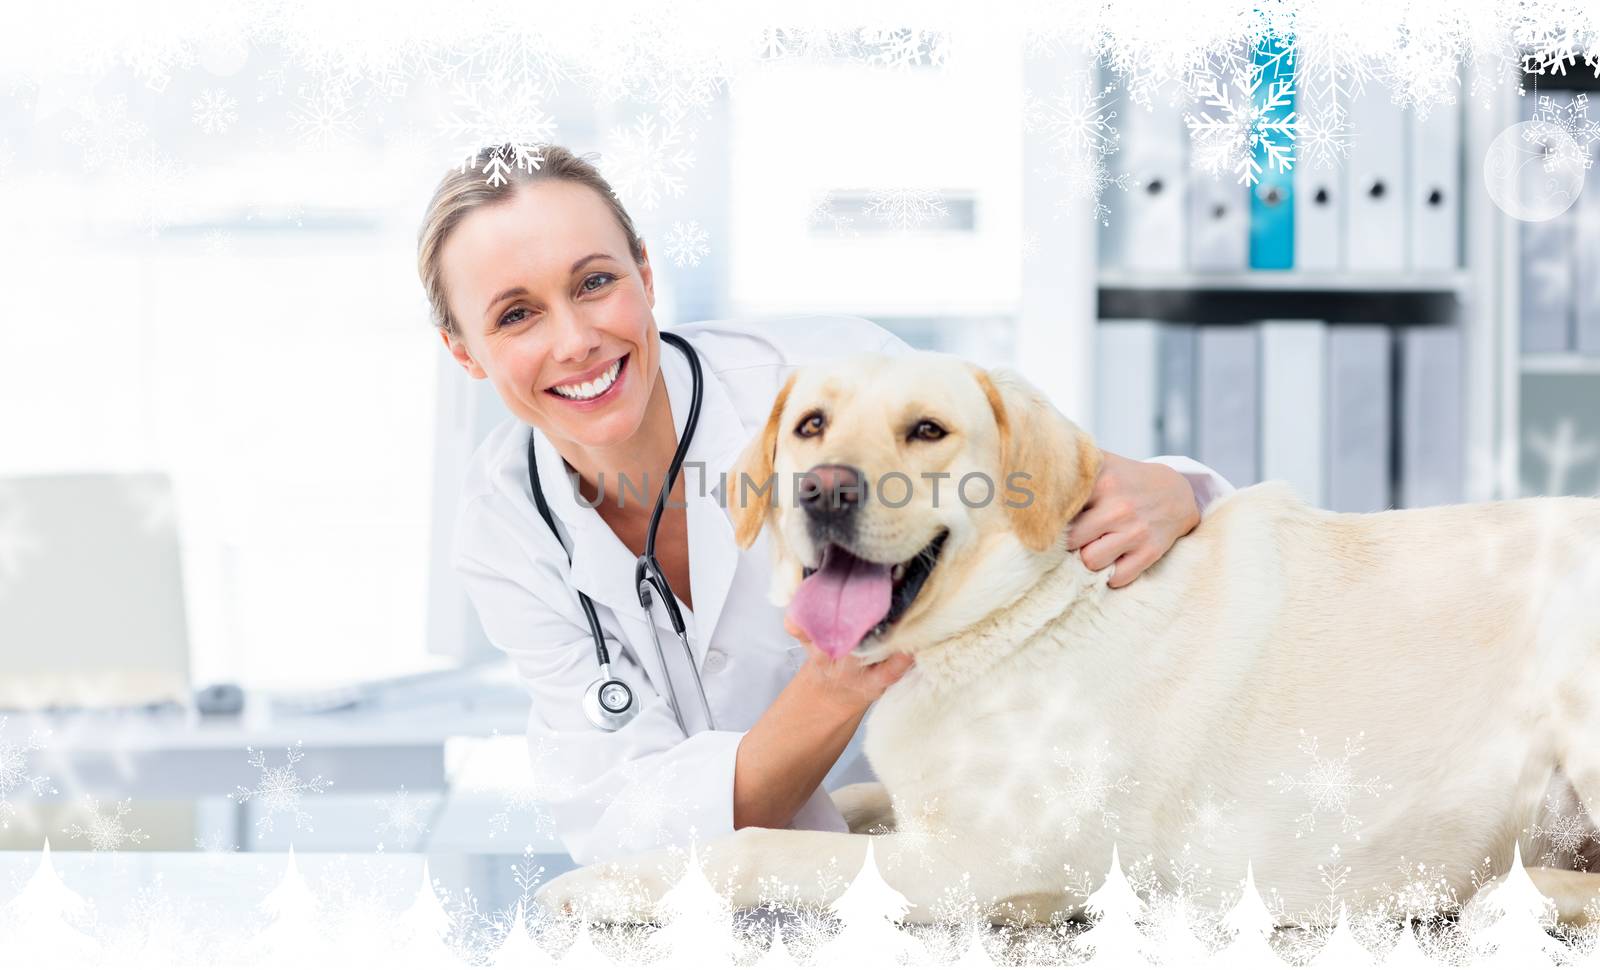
(715, 660)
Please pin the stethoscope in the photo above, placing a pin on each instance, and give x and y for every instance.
(609, 702)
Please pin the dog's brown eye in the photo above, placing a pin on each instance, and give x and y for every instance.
(927, 431)
(810, 426)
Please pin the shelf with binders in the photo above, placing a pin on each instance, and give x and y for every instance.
(1552, 410)
(1356, 417)
(1383, 214)
(1312, 328)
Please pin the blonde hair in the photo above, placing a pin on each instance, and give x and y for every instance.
(465, 189)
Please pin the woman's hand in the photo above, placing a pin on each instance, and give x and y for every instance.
(847, 679)
(1135, 512)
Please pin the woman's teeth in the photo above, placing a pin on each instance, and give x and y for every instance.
(591, 389)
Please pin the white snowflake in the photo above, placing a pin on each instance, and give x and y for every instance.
(528, 803)
(105, 832)
(215, 111)
(1085, 789)
(647, 805)
(906, 209)
(529, 796)
(1323, 139)
(1567, 129)
(1565, 834)
(214, 842)
(1085, 179)
(687, 243)
(279, 790)
(507, 116)
(647, 161)
(1209, 818)
(323, 118)
(1076, 122)
(14, 773)
(1021, 855)
(403, 816)
(901, 48)
(824, 216)
(1244, 123)
(1330, 786)
(919, 829)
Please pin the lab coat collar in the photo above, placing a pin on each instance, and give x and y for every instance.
(603, 567)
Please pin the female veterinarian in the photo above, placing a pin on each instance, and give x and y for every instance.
(542, 286)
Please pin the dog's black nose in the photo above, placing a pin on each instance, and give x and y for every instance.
(831, 493)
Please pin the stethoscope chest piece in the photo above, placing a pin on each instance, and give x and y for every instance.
(608, 703)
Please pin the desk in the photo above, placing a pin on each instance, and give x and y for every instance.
(171, 754)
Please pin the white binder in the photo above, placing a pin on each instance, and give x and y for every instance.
(1432, 437)
(1433, 197)
(1358, 418)
(1127, 386)
(1318, 199)
(1375, 185)
(1175, 416)
(1293, 365)
(1586, 259)
(1227, 384)
(1219, 223)
(1147, 222)
(1545, 282)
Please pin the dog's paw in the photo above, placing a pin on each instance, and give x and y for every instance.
(606, 892)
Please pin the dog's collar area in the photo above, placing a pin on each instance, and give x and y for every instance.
(962, 657)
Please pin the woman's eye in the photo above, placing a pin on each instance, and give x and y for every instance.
(928, 431)
(507, 319)
(603, 277)
(810, 426)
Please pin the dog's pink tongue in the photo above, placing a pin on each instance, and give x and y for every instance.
(841, 601)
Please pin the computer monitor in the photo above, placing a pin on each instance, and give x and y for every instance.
(91, 593)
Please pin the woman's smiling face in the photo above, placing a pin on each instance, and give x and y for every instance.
(548, 301)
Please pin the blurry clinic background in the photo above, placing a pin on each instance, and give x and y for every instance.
(232, 439)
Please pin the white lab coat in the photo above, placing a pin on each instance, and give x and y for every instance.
(646, 785)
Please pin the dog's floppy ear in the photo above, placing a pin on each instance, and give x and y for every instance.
(1052, 458)
(750, 510)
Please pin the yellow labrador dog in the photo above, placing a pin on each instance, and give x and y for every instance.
(1420, 685)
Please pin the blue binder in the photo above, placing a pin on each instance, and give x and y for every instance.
(1272, 197)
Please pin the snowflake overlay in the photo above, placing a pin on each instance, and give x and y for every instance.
(1330, 785)
(1248, 118)
(906, 209)
(824, 216)
(1086, 791)
(215, 111)
(1567, 835)
(279, 790)
(105, 832)
(687, 243)
(14, 772)
(1567, 127)
(647, 161)
(402, 815)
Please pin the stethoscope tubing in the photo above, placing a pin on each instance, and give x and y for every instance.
(650, 582)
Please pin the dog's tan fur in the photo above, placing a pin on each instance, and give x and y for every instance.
(1456, 649)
